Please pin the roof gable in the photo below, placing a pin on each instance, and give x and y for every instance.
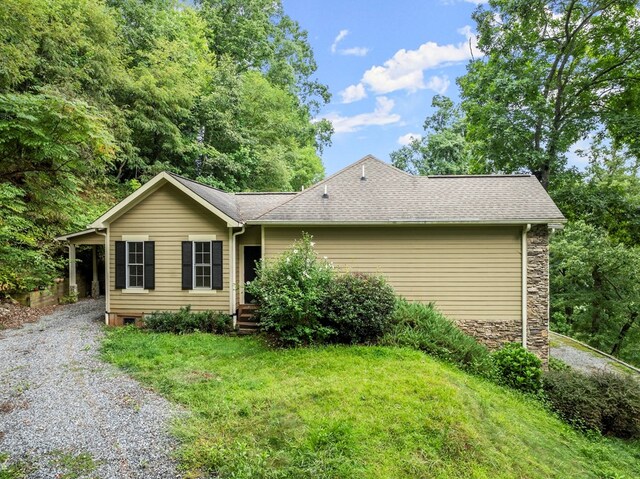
(216, 203)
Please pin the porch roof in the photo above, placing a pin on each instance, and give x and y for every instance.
(88, 236)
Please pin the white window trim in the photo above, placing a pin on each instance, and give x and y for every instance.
(135, 237)
(193, 262)
(127, 265)
(202, 237)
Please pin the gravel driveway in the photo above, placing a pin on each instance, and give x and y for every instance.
(584, 359)
(65, 413)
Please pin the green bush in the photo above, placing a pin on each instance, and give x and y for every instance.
(187, 321)
(424, 328)
(291, 295)
(359, 307)
(518, 368)
(604, 402)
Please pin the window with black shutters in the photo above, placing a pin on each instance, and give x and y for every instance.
(135, 264)
(202, 264)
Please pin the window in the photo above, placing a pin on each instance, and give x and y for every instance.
(202, 264)
(135, 264)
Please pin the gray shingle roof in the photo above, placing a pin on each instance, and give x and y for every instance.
(253, 205)
(389, 195)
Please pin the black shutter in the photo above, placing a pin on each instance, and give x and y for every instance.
(187, 265)
(216, 265)
(149, 265)
(121, 264)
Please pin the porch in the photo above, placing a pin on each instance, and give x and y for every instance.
(95, 239)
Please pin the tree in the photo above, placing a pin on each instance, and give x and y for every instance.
(596, 290)
(606, 194)
(554, 71)
(258, 35)
(443, 149)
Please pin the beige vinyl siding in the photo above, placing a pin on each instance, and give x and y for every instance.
(168, 217)
(251, 236)
(469, 272)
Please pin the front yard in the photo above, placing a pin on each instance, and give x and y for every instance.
(352, 412)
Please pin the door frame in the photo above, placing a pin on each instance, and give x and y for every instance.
(241, 266)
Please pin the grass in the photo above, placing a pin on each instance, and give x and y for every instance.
(13, 470)
(353, 412)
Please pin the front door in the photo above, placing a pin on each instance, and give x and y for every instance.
(252, 255)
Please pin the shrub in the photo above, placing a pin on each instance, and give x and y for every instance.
(605, 402)
(291, 295)
(424, 328)
(359, 307)
(187, 321)
(518, 368)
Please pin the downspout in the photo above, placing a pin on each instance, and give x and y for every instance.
(525, 230)
(107, 265)
(234, 288)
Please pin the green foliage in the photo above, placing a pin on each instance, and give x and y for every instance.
(186, 321)
(352, 412)
(552, 73)
(98, 96)
(518, 368)
(595, 289)
(424, 328)
(291, 294)
(443, 149)
(358, 307)
(603, 401)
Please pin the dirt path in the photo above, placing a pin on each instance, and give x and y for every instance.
(65, 413)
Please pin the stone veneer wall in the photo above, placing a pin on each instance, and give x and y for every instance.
(495, 333)
(538, 291)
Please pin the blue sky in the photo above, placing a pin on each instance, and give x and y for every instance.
(383, 61)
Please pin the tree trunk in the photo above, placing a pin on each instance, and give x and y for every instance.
(595, 303)
(623, 333)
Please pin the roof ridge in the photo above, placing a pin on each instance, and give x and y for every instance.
(484, 175)
(321, 182)
(197, 182)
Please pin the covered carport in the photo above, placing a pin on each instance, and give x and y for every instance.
(91, 237)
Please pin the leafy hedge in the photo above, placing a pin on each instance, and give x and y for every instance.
(605, 402)
(358, 307)
(187, 321)
(303, 300)
(425, 328)
(518, 368)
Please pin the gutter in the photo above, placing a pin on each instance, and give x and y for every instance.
(234, 287)
(525, 230)
(396, 222)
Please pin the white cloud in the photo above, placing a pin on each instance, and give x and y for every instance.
(354, 51)
(353, 93)
(380, 116)
(338, 39)
(405, 70)
(408, 138)
(477, 2)
(439, 84)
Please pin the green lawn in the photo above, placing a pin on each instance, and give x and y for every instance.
(353, 412)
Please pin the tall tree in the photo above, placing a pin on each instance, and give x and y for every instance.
(443, 149)
(259, 35)
(554, 71)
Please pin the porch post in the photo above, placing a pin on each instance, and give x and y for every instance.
(73, 285)
(95, 285)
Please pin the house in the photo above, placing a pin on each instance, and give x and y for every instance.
(477, 246)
